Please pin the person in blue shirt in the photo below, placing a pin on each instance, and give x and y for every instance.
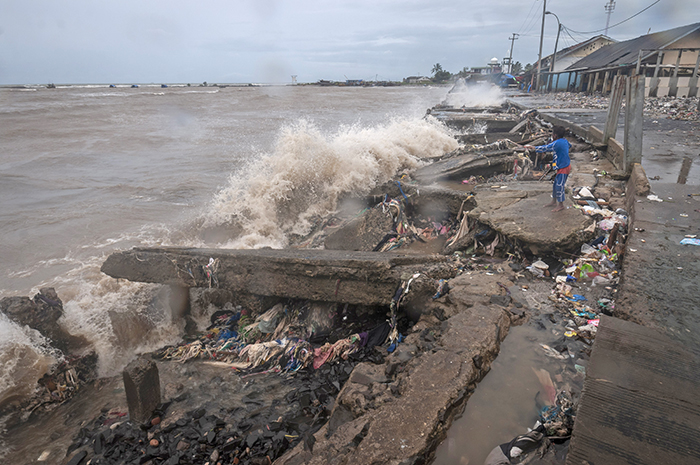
(561, 163)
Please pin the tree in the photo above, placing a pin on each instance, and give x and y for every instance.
(516, 68)
(439, 74)
(464, 73)
(528, 67)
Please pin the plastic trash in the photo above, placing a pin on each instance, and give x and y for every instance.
(586, 249)
(654, 198)
(607, 224)
(585, 193)
(600, 281)
(690, 241)
(541, 265)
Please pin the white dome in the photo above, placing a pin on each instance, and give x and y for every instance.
(494, 60)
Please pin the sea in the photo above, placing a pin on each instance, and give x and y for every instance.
(87, 170)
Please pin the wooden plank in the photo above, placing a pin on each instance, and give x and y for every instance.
(639, 403)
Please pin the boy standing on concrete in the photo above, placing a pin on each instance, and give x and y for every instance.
(561, 163)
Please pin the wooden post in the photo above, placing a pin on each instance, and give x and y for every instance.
(693, 91)
(639, 62)
(673, 84)
(654, 85)
(568, 82)
(618, 91)
(685, 169)
(634, 119)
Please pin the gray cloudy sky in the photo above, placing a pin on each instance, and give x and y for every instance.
(97, 41)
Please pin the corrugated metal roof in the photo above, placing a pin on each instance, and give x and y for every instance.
(627, 52)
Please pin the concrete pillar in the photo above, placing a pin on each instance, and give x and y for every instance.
(673, 82)
(693, 91)
(654, 85)
(595, 84)
(634, 119)
(618, 92)
(142, 387)
(604, 90)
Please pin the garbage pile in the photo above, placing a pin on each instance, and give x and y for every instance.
(677, 108)
(578, 100)
(280, 340)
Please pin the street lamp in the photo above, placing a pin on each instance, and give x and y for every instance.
(556, 44)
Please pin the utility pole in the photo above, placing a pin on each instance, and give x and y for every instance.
(510, 58)
(609, 7)
(539, 56)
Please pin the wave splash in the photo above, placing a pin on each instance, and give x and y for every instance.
(308, 173)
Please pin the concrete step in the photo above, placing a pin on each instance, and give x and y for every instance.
(640, 402)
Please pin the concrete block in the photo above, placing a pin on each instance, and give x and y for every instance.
(142, 387)
(615, 152)
(638, 181)
(594, 135)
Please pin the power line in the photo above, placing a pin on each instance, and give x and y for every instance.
(532, 7)
(617, 24)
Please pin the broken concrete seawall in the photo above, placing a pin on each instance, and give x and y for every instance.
(485, 223)
(398, 411)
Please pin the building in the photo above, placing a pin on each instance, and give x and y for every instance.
(570, 55)
(416, 80)
(669, 60)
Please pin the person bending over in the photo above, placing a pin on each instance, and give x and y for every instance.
(561, 163)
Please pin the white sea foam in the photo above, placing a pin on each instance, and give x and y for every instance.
(308, 172)
(475, 95)
(25, 356)
(120, 319)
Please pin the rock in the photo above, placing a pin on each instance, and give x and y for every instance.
(142, 388)
(182, 445)
(537, 228)
(502, 300)
(362, 233)
(78, 458)
(42, 313)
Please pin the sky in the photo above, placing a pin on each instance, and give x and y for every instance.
(268, 41)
